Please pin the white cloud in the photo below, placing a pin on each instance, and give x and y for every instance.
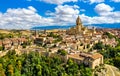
(99, 19)
(115, 1)
(92, 1)
(22, 18)
(32, 9)
(65, 14)
(67, 10)
(82, 10)
(58, 1)
(96, 1)
(103, 9)
(106, 15)
(25, 18)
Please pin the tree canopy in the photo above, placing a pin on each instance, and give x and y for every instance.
(34, 64)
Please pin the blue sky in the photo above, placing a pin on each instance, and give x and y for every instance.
(25, 14)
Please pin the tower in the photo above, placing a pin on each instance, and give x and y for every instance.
(78, 21)
(94, 30)
(78, 25)
(36, 33)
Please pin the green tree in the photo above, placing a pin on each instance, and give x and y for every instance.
(17, 72)
(88, 45)
(117, 62)
(98, 46)
(10, 70)
(62, 52)
(39, 70)
(84, 71)
(1, 48)
(72, 68)
(2, 73)
(19, 65)
(109, 35)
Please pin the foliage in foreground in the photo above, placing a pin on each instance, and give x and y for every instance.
(34, 64)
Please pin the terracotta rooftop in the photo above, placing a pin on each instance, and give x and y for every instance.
(96, 56)
(6, 41)
(81, 56)
(76, 56)
(14, 39)
(22, 39)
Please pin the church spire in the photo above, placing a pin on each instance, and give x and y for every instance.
(78, 21)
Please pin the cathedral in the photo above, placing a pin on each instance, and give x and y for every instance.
(78, 29)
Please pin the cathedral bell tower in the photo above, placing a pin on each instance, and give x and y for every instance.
(78, 24)
(78, 21)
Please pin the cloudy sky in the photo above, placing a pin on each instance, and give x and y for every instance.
(25, 14)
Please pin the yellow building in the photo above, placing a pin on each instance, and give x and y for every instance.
(78, 29)
(91, 60)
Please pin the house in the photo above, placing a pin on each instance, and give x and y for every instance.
(22, 40)
(15, 43)
(50, 40)
(97, 59)
(91, 60)
(62, 45)
(54, 50)
(39, 40)
(7, 44)
(112, 42)
(12, 43)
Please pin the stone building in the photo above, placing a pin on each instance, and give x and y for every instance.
(78, 29)
(79, 25)
(91, 60)
(7, 43)
(12, 43)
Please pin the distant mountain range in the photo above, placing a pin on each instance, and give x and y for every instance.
(66, 27)
(117, 25)
(50, 27)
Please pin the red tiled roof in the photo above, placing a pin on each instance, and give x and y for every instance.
(96, 56)
(6, 41)
(81, 56)
(14, 39)
(76, 56)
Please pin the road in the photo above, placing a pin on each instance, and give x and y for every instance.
(112, 71)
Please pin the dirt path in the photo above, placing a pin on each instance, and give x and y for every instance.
(112, 71)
